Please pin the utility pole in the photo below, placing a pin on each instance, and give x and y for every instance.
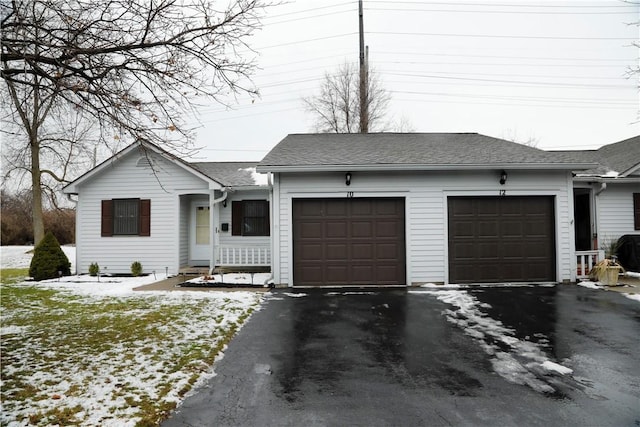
(364, 96)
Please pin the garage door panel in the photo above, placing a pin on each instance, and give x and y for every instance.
(333, 209)
(487, 228)
(309, 230)
(362, 229)
(311, 251)
(512, 229)
(386, 228)
(362, 241)
(388, 251)
(335, 229)
(334, 251)
(361, 251)
(361, 207)
(464, 229)
(537, 228)
(501, 239)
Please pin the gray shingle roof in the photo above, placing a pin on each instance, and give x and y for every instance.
(229, 174)
(617, 157)
(409, 149)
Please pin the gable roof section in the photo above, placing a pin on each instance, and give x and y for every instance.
(140, 145)
(408, 151)
(618, 160)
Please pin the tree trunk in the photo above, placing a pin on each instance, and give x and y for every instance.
(36, 188)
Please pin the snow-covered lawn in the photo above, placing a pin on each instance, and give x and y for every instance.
(79, 351)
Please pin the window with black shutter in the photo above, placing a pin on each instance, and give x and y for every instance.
(250, 218)
(636, 211)
(126, 217)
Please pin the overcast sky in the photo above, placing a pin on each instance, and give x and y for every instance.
(554, 72)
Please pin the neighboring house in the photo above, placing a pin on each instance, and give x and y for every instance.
(607, 197)
(145, 204)
(396, 209)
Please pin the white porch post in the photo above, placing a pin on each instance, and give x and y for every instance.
(213, 228)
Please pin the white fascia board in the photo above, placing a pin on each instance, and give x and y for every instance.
(617, 180)
(427, 167)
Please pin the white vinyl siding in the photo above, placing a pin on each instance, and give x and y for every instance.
(615, 212)
(426, 210)
(124, 180)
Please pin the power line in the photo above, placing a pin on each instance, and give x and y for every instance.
(581, 6)
(515, 12)
(495, 36)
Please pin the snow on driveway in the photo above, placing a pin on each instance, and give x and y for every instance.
(519, 361)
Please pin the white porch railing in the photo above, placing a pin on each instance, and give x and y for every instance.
(244, 256)
(586, 260)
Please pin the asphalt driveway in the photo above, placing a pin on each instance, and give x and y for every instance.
(549, 356)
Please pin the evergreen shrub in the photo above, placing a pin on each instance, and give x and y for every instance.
(49, 259)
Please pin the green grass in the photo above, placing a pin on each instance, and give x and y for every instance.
(13, 275)
(57, 347)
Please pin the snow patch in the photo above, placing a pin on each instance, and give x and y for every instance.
(261, 179)
(519, 361)
(552, 366)
(635, 297)
(633, 274)
(292, 295)
(589, 284)
(234, 278)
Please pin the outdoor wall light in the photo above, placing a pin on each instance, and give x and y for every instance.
(347, 178)
(224, 203)
(503, 177)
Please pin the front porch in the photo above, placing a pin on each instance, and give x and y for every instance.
(235, 258)
(585, 262)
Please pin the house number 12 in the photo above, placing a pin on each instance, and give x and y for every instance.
(503, 192)
(349, 194)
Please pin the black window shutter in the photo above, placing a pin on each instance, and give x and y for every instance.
(106, 227)
(145, 217)
(636, 211)
(236, 218)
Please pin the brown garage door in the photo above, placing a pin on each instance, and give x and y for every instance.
(501, 239)
(357, 241)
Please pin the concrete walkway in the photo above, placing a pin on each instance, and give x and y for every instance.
(171, 284)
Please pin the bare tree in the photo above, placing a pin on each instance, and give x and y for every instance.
(336, 109)
(131, 67)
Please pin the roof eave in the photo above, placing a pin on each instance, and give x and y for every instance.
(608, 180)
(423, 167)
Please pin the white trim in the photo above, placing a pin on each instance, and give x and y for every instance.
(510, 193)
(342, 195)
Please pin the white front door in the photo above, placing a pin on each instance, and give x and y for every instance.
(200, 249)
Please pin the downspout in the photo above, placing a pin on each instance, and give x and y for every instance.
(603, 186)
(271, 224)
(75, 203)
(214, 229)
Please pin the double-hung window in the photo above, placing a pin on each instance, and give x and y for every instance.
(126, 217)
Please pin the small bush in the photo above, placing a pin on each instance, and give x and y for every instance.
(49, 259)
(94, 269)
(136, 268)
